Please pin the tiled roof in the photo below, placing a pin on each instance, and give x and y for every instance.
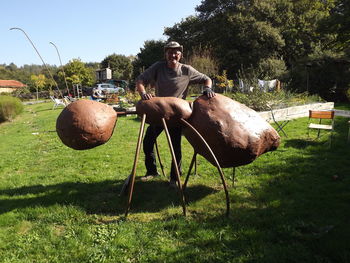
(11, 84)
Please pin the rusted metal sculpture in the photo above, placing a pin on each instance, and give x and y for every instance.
(85, 124)
(236, 133)
(225, 132)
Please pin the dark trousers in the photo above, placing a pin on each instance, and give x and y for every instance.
(148, 147)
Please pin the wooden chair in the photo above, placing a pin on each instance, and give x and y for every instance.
(321, 115)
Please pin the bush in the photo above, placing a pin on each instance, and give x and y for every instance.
(10, 107)
(257, 100)
(262, 101)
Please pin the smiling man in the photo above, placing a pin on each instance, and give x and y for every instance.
(170, 79)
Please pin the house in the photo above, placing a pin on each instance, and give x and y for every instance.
(8, 86)
(103, 74)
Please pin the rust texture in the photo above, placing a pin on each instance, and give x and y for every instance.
(236, 134)
(170, 108)
(85, 124)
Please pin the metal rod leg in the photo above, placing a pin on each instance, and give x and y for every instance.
(193, 161)
(176, 166)
(160, 161)
(133, 173)
(216, 162)
(195, 165)
(233, 175)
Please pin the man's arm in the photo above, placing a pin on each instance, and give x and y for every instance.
(199, 78)
(142, 90)
(207, 90)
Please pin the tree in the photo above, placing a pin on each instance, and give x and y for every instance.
(190, 32)
(39, 82)
(77, 73)
(120, 65)
(203, 60)
(234, 31)
(244, 33)
(223, 83)
(339, 21)
(152, 51)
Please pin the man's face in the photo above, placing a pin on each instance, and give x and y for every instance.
(173, 56)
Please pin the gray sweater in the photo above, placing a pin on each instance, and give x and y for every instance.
(170, 82)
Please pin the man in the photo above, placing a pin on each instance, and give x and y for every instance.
(171, 79)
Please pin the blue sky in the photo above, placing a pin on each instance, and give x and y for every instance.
(85, 29)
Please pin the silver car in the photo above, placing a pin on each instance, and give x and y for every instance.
(109, 88)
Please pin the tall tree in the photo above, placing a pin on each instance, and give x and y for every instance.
(152, 51)
(77, 73)
(244, 33)
(190, 32)
(339, 21)
(39, 82)
(120, 65)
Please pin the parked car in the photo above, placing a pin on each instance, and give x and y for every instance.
(109, 88)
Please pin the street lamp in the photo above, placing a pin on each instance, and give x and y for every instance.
(42, 60)
(64, 74)
(308, 66)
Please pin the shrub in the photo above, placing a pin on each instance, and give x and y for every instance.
(10, 107)
(262, 101)
(257, 100)
(132, 97)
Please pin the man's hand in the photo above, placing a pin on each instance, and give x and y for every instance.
(209, 92)
(146, 96)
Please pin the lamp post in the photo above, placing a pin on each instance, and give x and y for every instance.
(64, 74)
(42, 60)
(308, 66)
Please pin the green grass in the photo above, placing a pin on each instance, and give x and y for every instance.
(62, 205)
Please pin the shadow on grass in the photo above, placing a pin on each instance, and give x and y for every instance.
(98, 197)
(300, 143)
(296, 212)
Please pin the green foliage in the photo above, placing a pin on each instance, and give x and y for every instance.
(325, 73)
(77, 73)
(132, 97)
(266, 36)
(189, 32)
(151, 52)
(263, 101)
(256, 99)
(39, 81)
(10, 107)
(222, 83)
(272, 68)
(203, 60)
(338, 24)
(120, 65)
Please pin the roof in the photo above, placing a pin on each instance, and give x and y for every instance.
(11, 84)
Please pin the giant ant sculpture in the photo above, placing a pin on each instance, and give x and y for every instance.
(223, 131)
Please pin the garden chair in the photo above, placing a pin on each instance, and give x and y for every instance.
(69, 99)
(57, 102)
(321, 115)
(280, 125)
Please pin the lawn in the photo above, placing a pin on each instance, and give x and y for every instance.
(62, 205)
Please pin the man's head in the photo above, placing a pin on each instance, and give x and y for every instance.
(173, 45)
(173, 53)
